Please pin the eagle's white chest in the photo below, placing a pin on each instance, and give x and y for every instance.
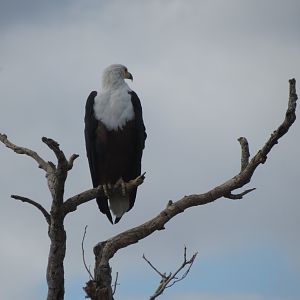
(113, 107)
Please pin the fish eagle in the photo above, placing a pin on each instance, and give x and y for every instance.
(115, 138)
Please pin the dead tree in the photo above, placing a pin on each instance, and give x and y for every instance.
(100, 288)
(56, 176)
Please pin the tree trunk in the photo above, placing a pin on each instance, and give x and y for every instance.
(57, 234)
(55, 268)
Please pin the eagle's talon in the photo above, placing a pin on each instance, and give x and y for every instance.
(106, 188)
(123, 187)
(121, 183)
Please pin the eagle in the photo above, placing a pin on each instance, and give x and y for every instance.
(115, 137)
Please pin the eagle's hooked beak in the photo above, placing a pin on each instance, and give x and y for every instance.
(128, 76)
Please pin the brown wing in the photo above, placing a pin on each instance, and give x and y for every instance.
(94, 151)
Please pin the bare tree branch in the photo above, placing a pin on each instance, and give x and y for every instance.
(171, 279)
(37, 205)
(83, 258)
(72, 203)
(159, 273)
(105, 250)
(22, 150)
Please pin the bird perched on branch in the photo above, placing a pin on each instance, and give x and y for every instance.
(115, 138)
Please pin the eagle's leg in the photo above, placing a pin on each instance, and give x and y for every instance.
(122, 184)
(106, 189)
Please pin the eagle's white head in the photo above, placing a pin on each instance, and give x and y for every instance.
(113, 106)
(114, 75)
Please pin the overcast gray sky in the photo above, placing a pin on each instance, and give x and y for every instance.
(207, 72)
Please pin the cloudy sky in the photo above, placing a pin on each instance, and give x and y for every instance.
(207, 72)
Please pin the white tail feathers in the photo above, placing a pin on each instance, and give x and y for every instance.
(119, 204)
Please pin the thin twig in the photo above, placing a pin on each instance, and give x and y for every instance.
(151, 265)
(37, 205)
(238, 196)
(83, 257)
(115, 284)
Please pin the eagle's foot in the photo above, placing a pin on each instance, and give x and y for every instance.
(122, 185)
(106, 189)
